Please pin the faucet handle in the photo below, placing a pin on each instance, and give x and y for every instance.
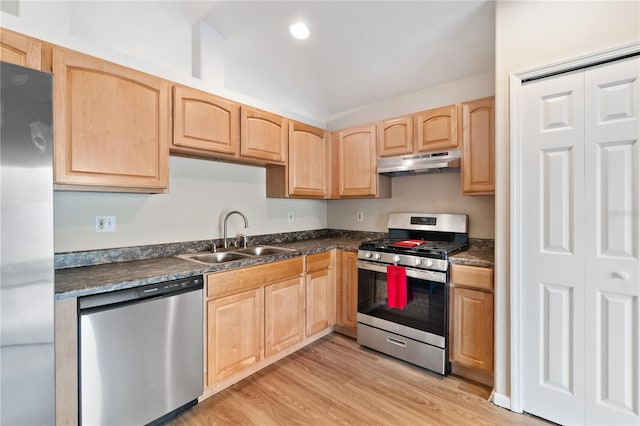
(244, 240)
(212, 247)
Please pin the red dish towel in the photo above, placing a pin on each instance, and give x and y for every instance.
(396, 286)
(409, 243)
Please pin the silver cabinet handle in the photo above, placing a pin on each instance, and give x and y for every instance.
(396, 342)
(620, 275)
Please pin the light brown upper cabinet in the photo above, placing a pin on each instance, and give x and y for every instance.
(204, 125)
(354, 152)
(395, 136)
(21, 50)
(437, 129)
(478, 157)
(111, 126)
(307, 161)
(306, 172)
(263, 135)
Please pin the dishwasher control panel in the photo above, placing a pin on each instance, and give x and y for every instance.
(162, 289)
(170, 286)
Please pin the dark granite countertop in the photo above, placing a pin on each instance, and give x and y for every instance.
(117, 275)
(479, 253)
(86, 280)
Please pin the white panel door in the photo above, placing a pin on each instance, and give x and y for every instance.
(580, 234)
(612, 287)
(552, 171)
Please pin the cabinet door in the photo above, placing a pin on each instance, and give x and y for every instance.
(348, 291)
(437, 129)
(321, 301)
(204, 124)
(320, 292)
(478, 157)
(20, 50)
(307, 161)
(395, 136)
(263, 136)
(111, 125)
(357, 170)
(234, 334)
(472, 325)
(284, 315)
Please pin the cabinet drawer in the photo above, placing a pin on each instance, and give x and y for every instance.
(229, 282)
(318, 262)
(472, 277)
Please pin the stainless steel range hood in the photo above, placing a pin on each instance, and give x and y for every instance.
(404, 165)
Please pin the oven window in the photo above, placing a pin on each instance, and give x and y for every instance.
(426, 302)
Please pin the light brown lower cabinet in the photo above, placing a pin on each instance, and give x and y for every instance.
(348, 293)
(320, 292)
(471, 322)
(243, 306)
(284, 315)
(234, 329)
(256, 315)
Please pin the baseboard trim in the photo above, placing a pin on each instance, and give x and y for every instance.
(472, 374)
(350, 332)
(501, 400)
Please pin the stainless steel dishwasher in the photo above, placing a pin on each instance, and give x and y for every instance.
(141, 353)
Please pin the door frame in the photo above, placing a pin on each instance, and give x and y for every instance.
(515, 158)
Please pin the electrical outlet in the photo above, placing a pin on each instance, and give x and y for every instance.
(105, 224)
(290, 217)
(359, 216)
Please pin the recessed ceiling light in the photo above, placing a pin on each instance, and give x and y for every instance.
(299, 31)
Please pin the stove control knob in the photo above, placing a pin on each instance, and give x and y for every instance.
(367, 255)
(417, 262)
(430, 263)
(396, 258)
(377, 256)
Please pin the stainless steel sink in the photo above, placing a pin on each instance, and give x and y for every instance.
(212, 258)
(262, 250)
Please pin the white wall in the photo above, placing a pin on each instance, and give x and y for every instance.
(530, 34)
(430, 193)
(201, 192)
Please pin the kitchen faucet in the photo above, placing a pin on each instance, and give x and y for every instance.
(246, 223)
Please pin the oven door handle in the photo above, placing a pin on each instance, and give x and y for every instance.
(440, 277)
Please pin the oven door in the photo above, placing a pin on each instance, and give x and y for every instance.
(424, 318)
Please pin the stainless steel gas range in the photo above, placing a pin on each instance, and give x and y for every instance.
(403, 287)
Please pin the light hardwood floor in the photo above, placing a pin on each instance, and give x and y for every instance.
(335, 381)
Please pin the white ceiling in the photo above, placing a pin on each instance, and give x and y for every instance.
(358, 53)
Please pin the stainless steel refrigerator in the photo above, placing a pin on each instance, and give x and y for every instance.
(27, 383)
